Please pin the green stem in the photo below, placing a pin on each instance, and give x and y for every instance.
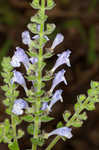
(51, 145)
(39, 79)
(55, 140)
(14, 131)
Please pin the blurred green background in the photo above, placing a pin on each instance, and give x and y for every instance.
(79, 22)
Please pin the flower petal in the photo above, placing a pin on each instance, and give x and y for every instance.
(18, 78)
(20, 57)
(19, 105)
(26, 39)
(56, 97)
(64, 131)
(63, 58)
(58, 39)
(59, 77)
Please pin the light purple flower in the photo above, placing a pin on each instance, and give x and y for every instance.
(59, 77)
(20, 57)
(33, 60)
(58, 39)
(26, 39)
(56, 97)
(44, 106)
(18, 78)
(63, 58)
(64, 131)
(36, 37)
(19, 105)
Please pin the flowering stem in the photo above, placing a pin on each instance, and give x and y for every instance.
(68, 124)
(39, 79)
(51, 145)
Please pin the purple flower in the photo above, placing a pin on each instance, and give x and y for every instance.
(33, 60)
(63, 58)
(59, 77)
(58, 39)
(26, 39)
(44, 106)
(20, 57)
(18, 78)
(56, 97)
(64, 131)
(19, 105)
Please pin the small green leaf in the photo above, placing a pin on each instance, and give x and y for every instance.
(20, 133)
(66, 115)
(39, 141)
(49, 28)
(81, 98)
(77, 123)
(33, 28)
(6, 125)
(30, 129)
(13, 146)
(46, 118)
(35, 4)
(28, 118)
(50, 4)
(90, 106)
(60, 124)
(83, 116)
(94, 84)
(47, 55)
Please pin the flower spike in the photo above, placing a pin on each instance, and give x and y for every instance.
(26, 39)
(63, 58)
(58, 39)
(18, 78)
(64, 131)
(20, 57)
(19, 105)
(59, 77)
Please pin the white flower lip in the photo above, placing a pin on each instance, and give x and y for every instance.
(20, 57)
(63, 131)
(63, 58)
(26, 39)
(18, 78)
(19, 105)
(58, 39)
(59, 77)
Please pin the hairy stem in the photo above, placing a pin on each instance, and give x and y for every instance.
(39, 80)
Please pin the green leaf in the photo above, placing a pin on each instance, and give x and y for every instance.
(50, 4)
(49, 28)
(16, 119)
(35, 4)
(4, 87)
(60, 124)
(28, 118)
(13, 146)
(6, 102)
(94, 84)
(46, 118)
(47, 55)
(66, 115)
(30, 129)
(6, 125)
(20, 133)
(33, 28)
(81, 98)
(90, 106)
(39, 141)
(83, 116)
(39, 18)
(77, 123)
